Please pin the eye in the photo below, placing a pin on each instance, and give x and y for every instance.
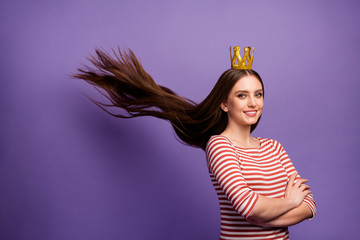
(259, 94)
(241, 95)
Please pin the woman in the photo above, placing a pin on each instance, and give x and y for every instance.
(259, 190)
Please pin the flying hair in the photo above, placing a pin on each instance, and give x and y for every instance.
(129, 87)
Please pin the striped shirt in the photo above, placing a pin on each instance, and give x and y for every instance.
(239, 175)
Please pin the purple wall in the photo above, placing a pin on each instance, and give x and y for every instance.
(70, 171)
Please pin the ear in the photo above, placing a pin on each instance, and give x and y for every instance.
(224, 107)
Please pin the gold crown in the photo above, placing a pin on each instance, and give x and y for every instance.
(241, 62)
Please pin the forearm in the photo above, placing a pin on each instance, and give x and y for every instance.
(289, 218)
(267, 209)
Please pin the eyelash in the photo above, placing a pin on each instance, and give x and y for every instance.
(243, 95)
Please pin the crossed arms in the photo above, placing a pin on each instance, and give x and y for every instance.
(296, 205)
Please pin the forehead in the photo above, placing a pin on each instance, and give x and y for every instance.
(248, 83)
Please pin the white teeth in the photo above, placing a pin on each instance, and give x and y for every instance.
(251, 112)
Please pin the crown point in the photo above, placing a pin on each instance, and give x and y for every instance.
(245, 62)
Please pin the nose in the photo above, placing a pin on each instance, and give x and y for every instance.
(251, 102)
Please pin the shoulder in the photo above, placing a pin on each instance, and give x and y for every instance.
(267, 141)
(216, 140)
(219, 149)
(218, 143)
(272, 143)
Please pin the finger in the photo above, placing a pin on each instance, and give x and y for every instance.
(304, 187)
(292, 179)
(307, 192)
(299, 182)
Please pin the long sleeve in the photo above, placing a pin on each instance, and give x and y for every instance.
(290, 169)
(224, 164)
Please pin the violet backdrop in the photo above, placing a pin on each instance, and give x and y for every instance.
(70, 171)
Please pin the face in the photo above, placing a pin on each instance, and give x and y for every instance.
(245, 102)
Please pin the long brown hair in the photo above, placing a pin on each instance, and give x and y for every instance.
(129, 87)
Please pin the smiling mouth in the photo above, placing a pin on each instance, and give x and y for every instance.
(250, 113)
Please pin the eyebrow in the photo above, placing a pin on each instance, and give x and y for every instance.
(245, 91)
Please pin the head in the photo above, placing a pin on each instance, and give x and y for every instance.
(207, 118)
(223, 88)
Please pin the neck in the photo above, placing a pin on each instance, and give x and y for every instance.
(238, 133)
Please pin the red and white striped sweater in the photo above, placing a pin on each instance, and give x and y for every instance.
(239, 175)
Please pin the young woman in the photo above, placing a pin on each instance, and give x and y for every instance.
(260, 193)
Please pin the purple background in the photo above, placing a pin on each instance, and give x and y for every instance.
(70, 171)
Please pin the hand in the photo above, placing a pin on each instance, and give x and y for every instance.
(296, 192)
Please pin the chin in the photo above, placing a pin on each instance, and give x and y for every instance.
(253, 122)
(249, 123)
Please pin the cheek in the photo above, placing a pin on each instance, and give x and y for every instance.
(240, 105)
(233, 103)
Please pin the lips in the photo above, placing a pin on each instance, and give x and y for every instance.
(250, 113)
